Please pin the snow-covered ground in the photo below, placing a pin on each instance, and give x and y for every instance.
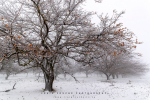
(94, 87)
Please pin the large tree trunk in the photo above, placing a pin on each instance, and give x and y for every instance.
(48, 72)
(49, 79)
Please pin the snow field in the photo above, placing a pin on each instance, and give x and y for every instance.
(92, 88)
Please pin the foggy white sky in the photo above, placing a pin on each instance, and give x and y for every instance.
(136, 19)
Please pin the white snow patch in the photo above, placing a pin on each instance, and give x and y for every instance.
(92, 88)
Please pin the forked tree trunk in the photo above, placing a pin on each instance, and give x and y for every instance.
(48, 72)
(107, 76)
(49, 79)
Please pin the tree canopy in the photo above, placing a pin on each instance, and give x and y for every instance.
(41, 33)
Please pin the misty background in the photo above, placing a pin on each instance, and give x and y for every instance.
(136, 19)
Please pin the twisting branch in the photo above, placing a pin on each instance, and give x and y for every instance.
(9, 89)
